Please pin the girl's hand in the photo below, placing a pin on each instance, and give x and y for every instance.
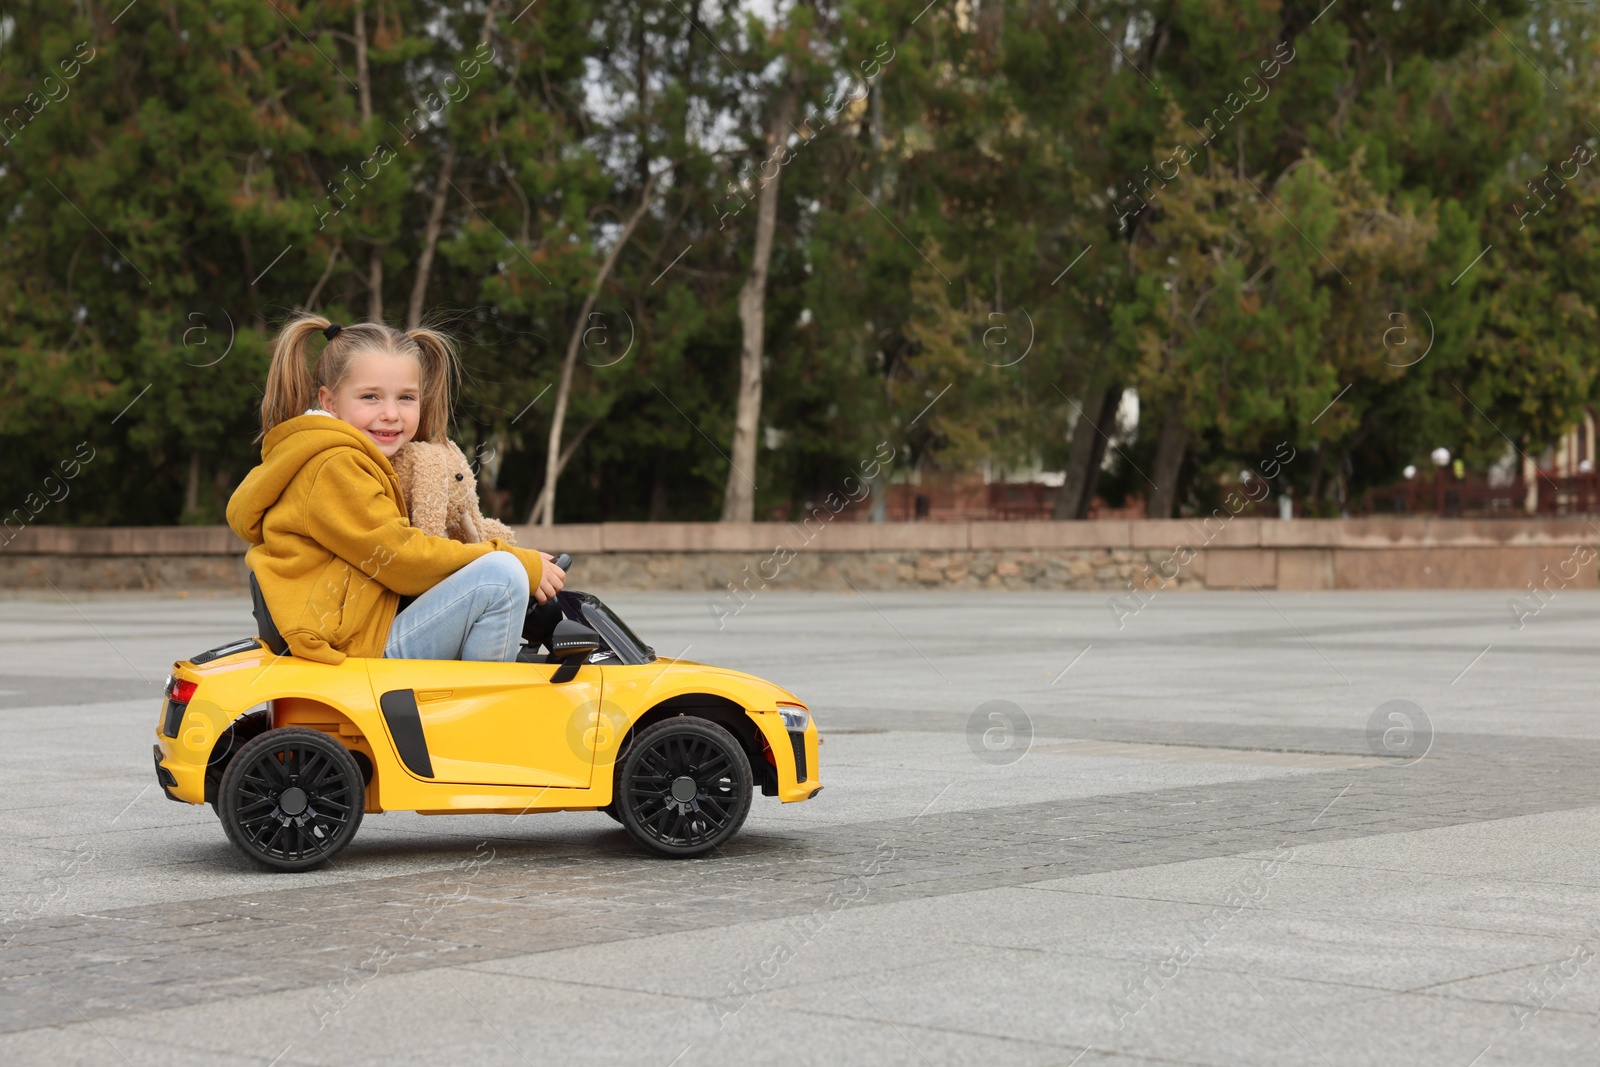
(551, 579)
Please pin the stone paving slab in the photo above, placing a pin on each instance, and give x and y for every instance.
(942, 910)
(973, 990)
(111, 957)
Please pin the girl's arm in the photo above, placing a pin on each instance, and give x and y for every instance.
(353, 517)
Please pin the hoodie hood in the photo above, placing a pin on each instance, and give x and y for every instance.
(286, 451)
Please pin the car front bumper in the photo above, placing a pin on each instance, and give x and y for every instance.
(795, 756)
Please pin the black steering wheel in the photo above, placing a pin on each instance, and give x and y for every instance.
(564, 561)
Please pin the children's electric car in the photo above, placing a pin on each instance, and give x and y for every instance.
(291, 753)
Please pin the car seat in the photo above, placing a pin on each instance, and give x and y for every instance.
(266, 629)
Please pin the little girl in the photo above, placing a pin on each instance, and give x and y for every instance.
(332, 548)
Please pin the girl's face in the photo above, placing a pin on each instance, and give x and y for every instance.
(381, 396)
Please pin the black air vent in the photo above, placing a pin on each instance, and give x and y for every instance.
(174, 718)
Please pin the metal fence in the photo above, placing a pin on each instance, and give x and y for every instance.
(1474, 497)
(1444, 495)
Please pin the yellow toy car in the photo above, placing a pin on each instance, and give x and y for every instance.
(292, 753)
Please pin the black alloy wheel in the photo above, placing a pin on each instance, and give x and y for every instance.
(683, 787)
(291, 799)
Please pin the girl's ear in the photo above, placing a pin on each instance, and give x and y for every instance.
(325, 399)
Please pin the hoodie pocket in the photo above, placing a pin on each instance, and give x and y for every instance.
(326, 609)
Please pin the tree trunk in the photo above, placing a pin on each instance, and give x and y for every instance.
(739, 499)
(364, 96)
(1314, 492)
(1097, 450)
(327, 272)
(375, 284)
(363, 77)
(1095, 419)
(252, 278)
(991, 24)
(566, 457)
(1077, 471)
(430, 240)
(544, 509)
(191, 491)
(1170, 447)
(658, 494)
(641, 87)
(1070, 497)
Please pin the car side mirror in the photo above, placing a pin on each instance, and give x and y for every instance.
(572, 638)
(570, 642)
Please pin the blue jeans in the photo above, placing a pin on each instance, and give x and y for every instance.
(475, 614)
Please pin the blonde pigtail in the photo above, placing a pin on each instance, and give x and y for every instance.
(290, 388)
(441, 375)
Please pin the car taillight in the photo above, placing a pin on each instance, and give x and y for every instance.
(182, 691)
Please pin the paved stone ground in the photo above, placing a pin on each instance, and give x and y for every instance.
(1189, 849)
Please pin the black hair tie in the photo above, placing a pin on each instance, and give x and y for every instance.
(332, 331)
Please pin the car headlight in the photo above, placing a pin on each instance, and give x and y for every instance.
(795, 720)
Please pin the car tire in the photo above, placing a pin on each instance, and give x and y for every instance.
(291, 799)
(683, 787)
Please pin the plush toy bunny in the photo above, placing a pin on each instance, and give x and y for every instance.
(442, 493)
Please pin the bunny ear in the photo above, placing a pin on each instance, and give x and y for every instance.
(402, 465)
(429, 496)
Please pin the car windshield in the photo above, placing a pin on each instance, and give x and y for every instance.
(623, 642)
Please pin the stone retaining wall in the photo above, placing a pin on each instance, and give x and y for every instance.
(1087, 556)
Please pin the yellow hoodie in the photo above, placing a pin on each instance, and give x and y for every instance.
(331, 545)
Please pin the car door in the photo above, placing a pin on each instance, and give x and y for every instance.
(489, 723)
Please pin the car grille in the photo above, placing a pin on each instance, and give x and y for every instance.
(174, 718)
(799, 743)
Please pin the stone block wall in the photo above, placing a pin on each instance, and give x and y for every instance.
(1109, 557)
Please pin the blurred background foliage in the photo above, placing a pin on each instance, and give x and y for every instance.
(179, 176)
